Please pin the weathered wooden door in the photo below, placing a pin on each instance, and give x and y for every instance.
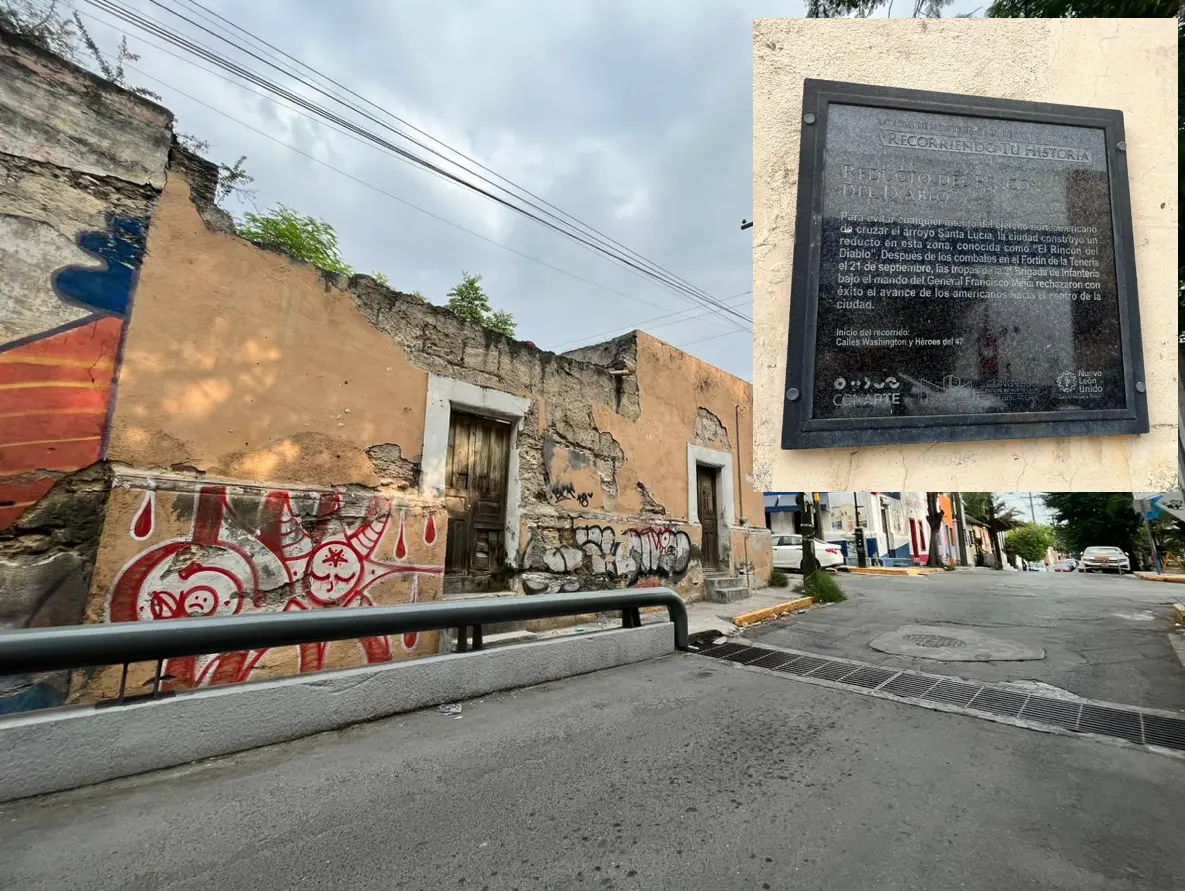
(705, 488)
(475, 493)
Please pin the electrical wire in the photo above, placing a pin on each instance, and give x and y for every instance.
(260, 41)
(155, 28)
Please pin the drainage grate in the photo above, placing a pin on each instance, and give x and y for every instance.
(1132, 725)
(1057, 712)
(803, 665)
(1167, 732)
(739, 653)
(953, 693)
(909, 685)
(1111, 722)
(773, 659)
(998, 702)
(720, 651)
(869, 677)
(833, 671)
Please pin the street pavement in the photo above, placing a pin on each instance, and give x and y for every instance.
(1104, 637)
(680, 773)
(684, 772)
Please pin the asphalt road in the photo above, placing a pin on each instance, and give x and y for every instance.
(680, 773)
(1104, 637)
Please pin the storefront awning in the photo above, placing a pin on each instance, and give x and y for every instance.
(780, 501)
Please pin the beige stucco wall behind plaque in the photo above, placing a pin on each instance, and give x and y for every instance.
(1128, 64)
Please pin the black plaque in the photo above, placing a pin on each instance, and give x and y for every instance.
(963, 270)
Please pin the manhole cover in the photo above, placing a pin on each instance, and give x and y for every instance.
(933, 640)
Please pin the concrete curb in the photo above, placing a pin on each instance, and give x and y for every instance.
(62, 749)
(891, 570)
(1153, 577)
(771, 612)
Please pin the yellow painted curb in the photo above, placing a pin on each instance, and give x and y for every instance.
(894, 570)
(770, 612)
(1153, 577)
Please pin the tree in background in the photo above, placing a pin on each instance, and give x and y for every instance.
(306, 238)
(1030, 542)
(471, 303)
(38, 22)
(1089, 519)
(985, 507)
(934, 516)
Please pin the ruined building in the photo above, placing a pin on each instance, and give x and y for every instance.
(193, 425)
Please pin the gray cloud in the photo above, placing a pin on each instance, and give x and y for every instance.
(634, 117)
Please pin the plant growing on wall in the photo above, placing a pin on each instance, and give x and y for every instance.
(469, 301)
(38, 22)
(306, 238)
(1029, 542)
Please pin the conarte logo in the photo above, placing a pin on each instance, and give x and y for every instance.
(1067, 381)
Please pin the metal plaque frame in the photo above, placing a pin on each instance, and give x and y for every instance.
(802, 431)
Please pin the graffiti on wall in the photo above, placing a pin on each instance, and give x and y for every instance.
(558, 493)
(61, 324)
(265, 555)
(601, 557)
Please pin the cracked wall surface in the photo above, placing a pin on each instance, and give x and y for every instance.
(1119, 64)
(268, 445)
(174, 548)
(81, 165)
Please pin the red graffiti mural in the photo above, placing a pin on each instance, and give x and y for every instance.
(226, 567)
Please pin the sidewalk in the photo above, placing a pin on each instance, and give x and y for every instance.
(1175, 578)
(702, 615)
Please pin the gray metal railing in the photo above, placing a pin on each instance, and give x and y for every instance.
(36, 650)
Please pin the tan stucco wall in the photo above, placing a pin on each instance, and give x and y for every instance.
(174, 548)
(673, 386)
(1129, 65)
(241, 363)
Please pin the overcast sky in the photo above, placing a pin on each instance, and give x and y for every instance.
(634, 117)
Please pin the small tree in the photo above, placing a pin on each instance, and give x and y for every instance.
(306, 238)
(1029, 542)
(38, 22)
(469, 301)
(934, 517)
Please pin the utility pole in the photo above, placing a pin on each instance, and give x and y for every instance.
(861, 544)
(1032, 510)
(807, 527)
(961, 522)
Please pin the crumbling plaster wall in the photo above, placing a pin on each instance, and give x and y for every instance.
(81, 166)
(245, 365)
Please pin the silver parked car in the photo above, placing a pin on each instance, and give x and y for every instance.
(1105, 559)
(788, 553)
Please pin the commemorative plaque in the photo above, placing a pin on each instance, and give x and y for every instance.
(963, 270)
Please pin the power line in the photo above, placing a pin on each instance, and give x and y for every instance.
(192, 98)
(521, 189)
(670, 320)
(151, 26)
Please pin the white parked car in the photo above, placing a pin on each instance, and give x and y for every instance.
(788, 553)
(1103, 559)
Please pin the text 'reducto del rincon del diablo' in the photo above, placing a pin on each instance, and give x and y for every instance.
(967, 266)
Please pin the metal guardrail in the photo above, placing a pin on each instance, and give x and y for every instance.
(35, 650)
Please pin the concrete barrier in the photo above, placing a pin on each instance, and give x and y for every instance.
(66, 748)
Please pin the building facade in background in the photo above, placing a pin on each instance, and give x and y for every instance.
(203, 427)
